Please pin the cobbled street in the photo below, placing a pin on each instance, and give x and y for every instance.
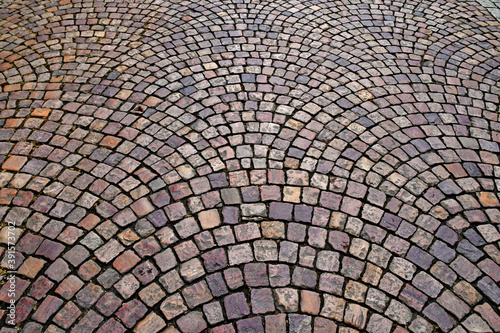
(249, 166)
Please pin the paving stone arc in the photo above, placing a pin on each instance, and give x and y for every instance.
(250, 166)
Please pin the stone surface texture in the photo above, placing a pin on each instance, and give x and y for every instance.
(250, 166)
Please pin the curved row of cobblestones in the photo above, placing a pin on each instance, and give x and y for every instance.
(250, 166)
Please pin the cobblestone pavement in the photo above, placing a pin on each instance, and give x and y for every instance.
(493, 7)
(250, 166)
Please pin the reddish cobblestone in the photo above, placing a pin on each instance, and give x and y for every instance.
(49, 306)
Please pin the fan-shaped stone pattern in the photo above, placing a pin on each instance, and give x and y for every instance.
(250, 166)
